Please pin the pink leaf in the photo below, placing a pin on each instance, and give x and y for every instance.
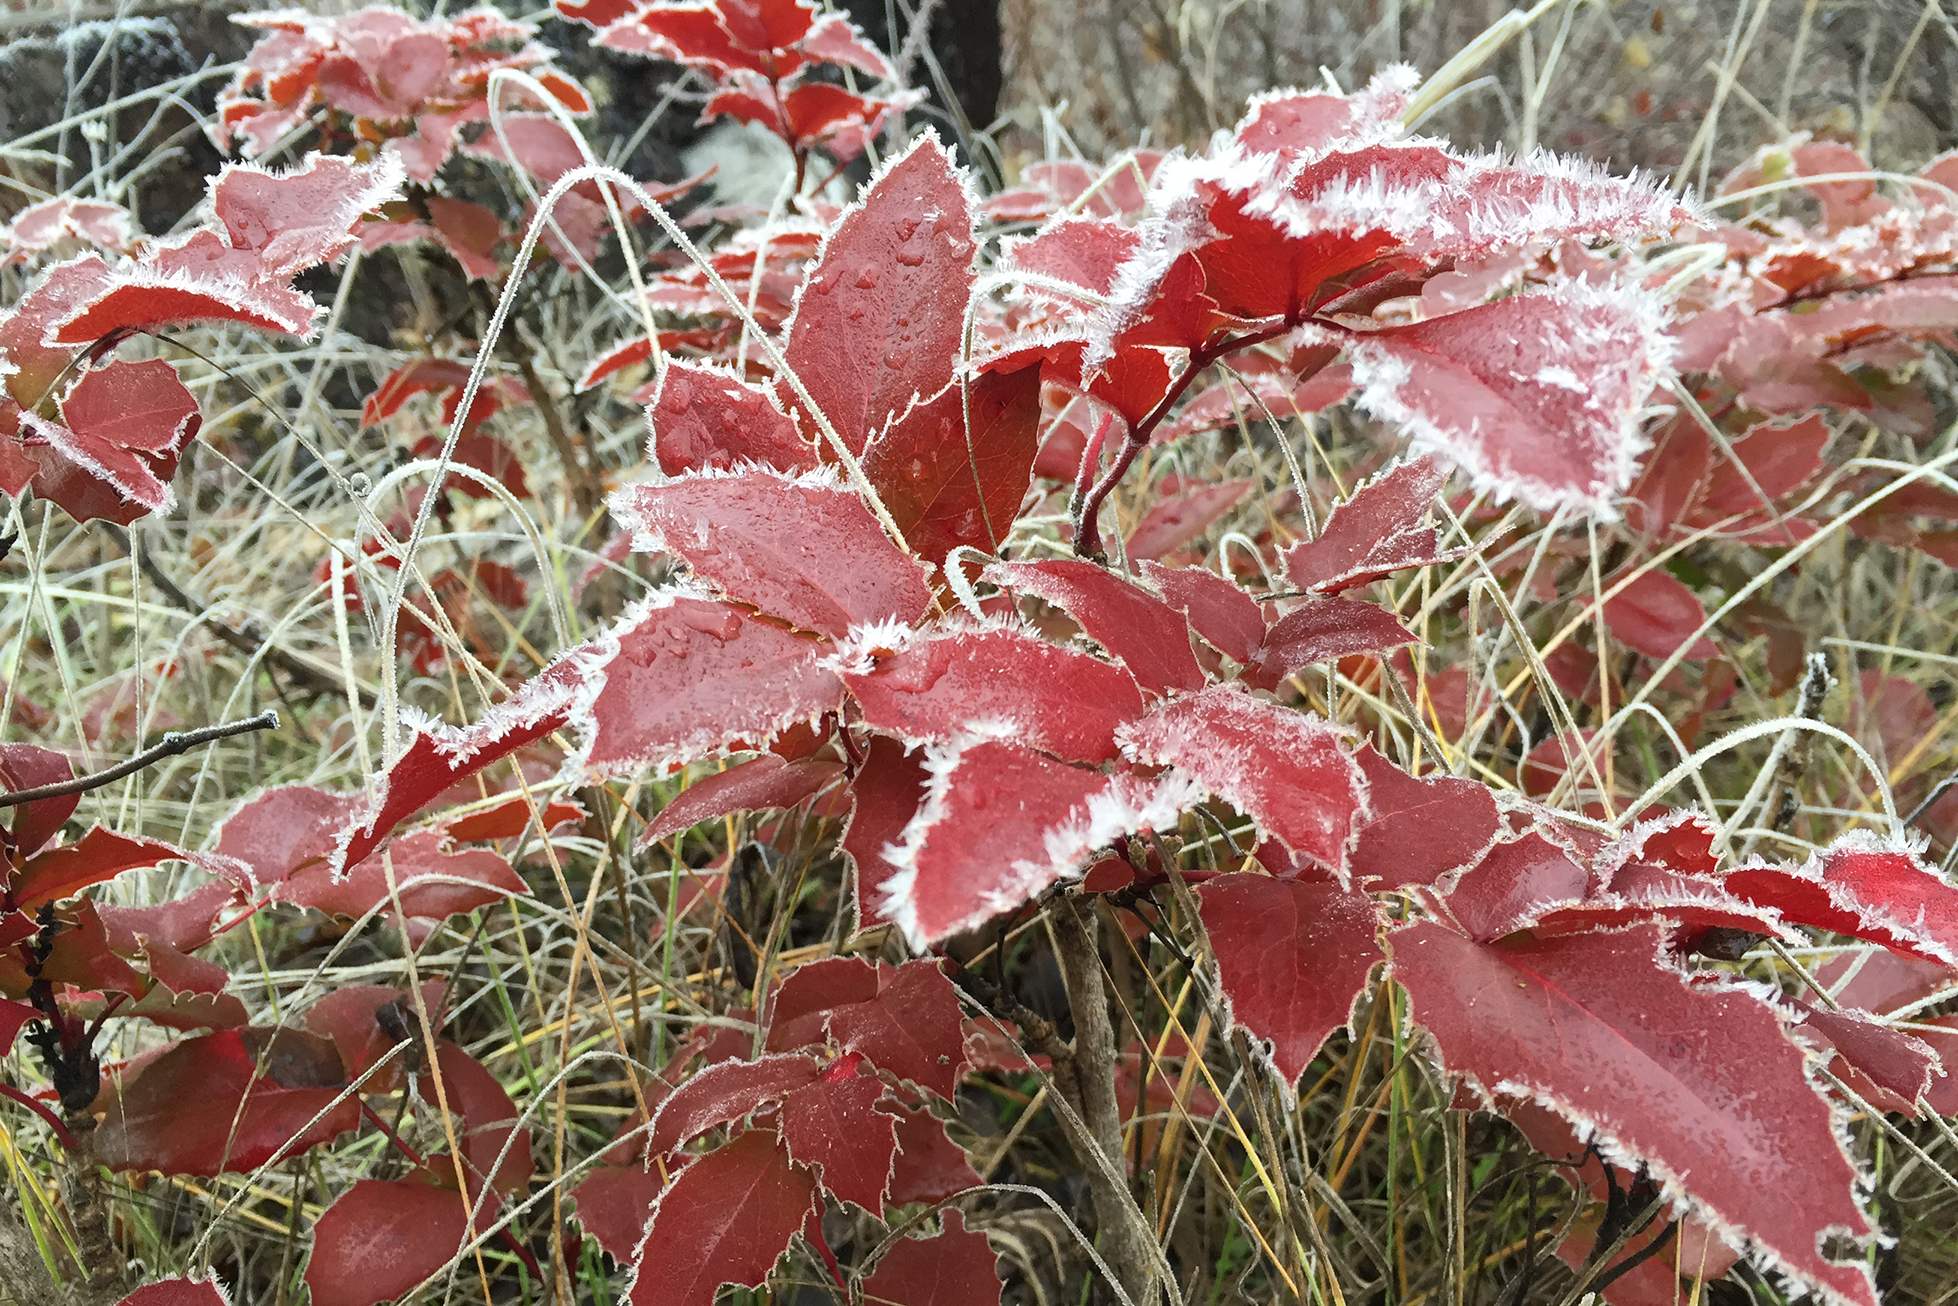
(935, 687)
(1420, 831)
(1323, 629)
(881, 316)
(1145, 634)
(1282, 768)
(805, 551)
(833, 1127)
(905, 1020)
(1001, 823)
(955, 1267)
(1229, 619)
(1084, 251)
(302, 217)
(706, 419)
(281, 830)
(885, 794)
(1657, 615)
(1292, 957)
(930, 475)
(1377, 531)
(766, 782)
(381, 1238)
(208, 1291)
(1309, 121)
(1537, 397)
(727, 1218)
(1699, 1083)
(723, 1094)
(1174, 522)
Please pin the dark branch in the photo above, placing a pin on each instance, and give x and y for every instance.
(173, 744)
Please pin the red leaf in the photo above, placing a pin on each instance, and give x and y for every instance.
(350, 1017)
(1305, 122)
(1084, 251)
(510, 818)
(1892, 1062)
(723, 1094)
(302, 217)
(179, 1292)
(432, 880)
(185, 923)
(99, 855)
(1282, 768)
(834, 1128)
(1420, 830)
(1292, 957)
(727, 1218)
(381, 1238)
(1656, 615)
(704, 419)
(1537, 397)
(285, 829)
(935, 687)
(1145, 634)
(1230, 620)
(955, 1267)
(14, 1017)
(203, 1107)
(126, 423)
(930, 1166)
(806, 551)
(494, 1146)
(1323, 629)
(885, 795)
(470, 233)
(1000, 824)
(1172, 523)
(766, 782)
(880, 319)
(614, 1204)
(929, 475)
(1378, 530)
(905, 1020)
(1696, 1082)
(1865, 888)
(1780, 458)
(27, 766)
(1512, 883)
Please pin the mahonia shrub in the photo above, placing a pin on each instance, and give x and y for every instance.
(920, 578)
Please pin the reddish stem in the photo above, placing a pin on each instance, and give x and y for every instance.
(68, 1140)
(1087, 527)
(813, 1230)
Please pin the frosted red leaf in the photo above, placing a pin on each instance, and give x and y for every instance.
(905, 1020)
(1884, 981)
(302, 217)
(703, 418)
(1380, 529)
(536, 142)
(186, 922)
(1322, 629)
(1230, 620)
(726, 1218)
(1084, 251)
(724, 1093)
(1142, 632)
(431, 879)
(954, 1267)
(884, 795)
(1645, 893)
(1511, 885)
(930, 1167)
(1282, 768)
(833, 38)
(204, 1108)
(28, 766)
(126, 424)
(100, 855)
(1000, 824)
(1536, 397)
(1174, 522)
(1309, 121)
(937, 686)
(930, 476)
(1779, 457)
(82, 955)
(880, 319)
(680, 678)
(1862, 887)
(1897, 1065)
(614, 1204)
(759, 785)
(38, 226)
(805, 551)
(1656, 615)
(510, 818)
(381, 1238)
(1292, 957)
(1420, 830)
(208, 1291)
(833, 1127)
(282, 829)
(1698, 1083)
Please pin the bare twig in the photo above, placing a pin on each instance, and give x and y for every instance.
(174, 743)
